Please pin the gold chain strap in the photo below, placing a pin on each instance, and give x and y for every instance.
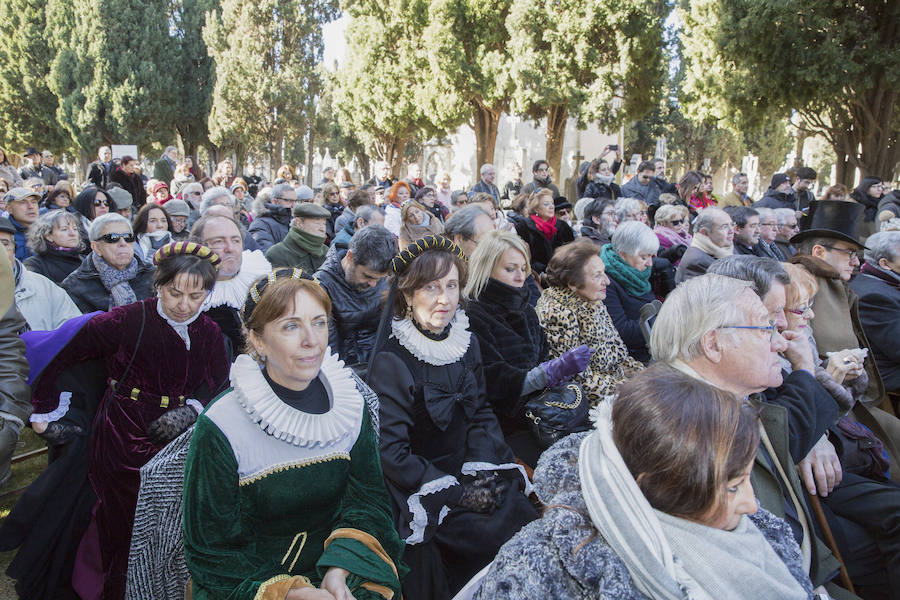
(577, 390)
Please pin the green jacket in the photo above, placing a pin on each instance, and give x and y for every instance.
(774, 420)
(298, 249)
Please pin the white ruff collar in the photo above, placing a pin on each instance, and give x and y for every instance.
(233, 292)
(434, 352)
(293, 426)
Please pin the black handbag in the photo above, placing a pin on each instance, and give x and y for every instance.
(556, 413)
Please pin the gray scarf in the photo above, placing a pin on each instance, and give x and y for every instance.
(673, 559)
(116, 281)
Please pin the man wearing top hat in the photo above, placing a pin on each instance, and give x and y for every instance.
(829, 250)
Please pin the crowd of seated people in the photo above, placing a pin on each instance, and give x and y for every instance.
(371, 393)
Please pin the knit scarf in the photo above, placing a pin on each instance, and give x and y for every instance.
(636, 283)
(670, 558)
(668, 237)
(116, 281)
(547, 227)
(702, 242)
(309, 243)
(889, 277)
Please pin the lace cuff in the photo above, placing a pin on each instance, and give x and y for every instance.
(419, 515)
(65, 400)
(471, 468)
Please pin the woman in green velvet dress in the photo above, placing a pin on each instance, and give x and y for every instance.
(284, 495)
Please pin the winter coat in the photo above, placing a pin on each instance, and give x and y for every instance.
(536, 186)
(355, 312)
(55, 265)
(98, 174)
(890, 202)
(595, 189)
(131, 184)
(742, 250)
(271, 226)
(512, 343)
(163, 170)
(570, 321)
(486, 188)
(89, 293)
(11, 175)
(347, 216)
(786, 248)
(44, 304)
(694, 262)
(625, 311)
(336, 211)
(649, 193)
(542, 248)
(290, 252)
(773, 199)
(511, 189)
(879, 314)
(48, 176)
(598, 236)
(562, 555)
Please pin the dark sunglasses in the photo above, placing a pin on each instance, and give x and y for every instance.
(100, 202)
(677, 223)
(113, 238)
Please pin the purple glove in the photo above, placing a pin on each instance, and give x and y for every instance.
(570, 363)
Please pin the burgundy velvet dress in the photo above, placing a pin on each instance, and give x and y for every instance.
(163, 375)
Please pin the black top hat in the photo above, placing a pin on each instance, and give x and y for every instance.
(561, 202)
(831, 219)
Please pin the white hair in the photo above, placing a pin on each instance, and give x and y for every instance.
(783, 214)
(765, 213)
(884, 244)
(695, 307)
(631, 238)
(98, 224)
(625, 206)
(485, 167)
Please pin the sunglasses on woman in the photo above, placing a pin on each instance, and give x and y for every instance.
(677, 222)
(113, 238)
(101, 202)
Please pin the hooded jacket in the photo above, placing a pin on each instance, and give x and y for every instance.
(354, 313)
(775, 199)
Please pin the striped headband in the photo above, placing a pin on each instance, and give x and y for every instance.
(186, 248)
(259, 287)
(430, 242)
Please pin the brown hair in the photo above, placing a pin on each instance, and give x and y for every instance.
(520, 203)
(427, 267)
(276, 300)
(838, 189)
(404, 212)
(688, 184)
(683, 440)
(801, 280)
(330, 187)
(567, 265)
(535, 200)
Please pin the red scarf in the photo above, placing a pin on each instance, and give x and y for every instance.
(547, 227)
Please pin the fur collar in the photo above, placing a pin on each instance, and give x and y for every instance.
(816, 266)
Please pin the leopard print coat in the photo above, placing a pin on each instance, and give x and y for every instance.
(570, 321)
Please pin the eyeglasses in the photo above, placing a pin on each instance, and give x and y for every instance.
(113, 238)
(771, 328)
(676, 222)
(803, 311)
(100, 202)
(850, 253)
(562, 212)
(791, 226)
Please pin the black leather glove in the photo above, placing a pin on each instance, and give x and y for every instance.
(484, 494)
(58, 434)
(171, 424)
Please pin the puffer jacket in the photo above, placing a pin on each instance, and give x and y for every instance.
(774, 199)
(89, 293)
(54, 264)
(354, 313)
(271, 226)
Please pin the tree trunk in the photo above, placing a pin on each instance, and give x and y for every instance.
(365, 168)
(485, 124)
(309, 156)
(557, 116)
